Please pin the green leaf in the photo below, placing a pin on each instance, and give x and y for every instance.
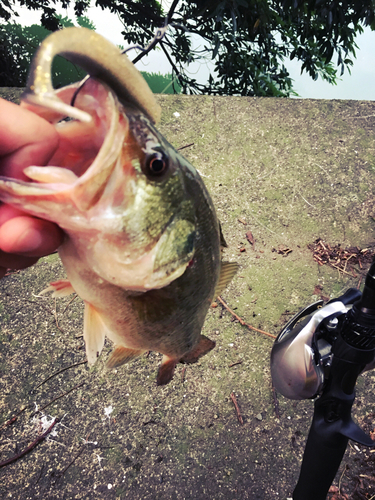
(247, 40)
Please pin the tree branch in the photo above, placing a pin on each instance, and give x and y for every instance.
(159, 34)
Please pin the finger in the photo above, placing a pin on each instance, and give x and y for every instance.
(29, 237)
(11, 261)
(26, 140)
(8, 212)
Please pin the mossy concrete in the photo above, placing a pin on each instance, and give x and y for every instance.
(289, 171)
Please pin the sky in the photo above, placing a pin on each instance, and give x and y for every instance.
(360, 84)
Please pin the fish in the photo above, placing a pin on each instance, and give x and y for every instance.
(142, 245)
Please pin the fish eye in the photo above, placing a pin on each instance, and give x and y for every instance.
(156, 164)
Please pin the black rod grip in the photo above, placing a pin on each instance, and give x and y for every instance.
(367, 302)
(319, 466)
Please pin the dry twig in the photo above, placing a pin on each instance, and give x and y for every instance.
(56, 320)
(31, 446)
(11, 271)
(343, 472)
(54, 313)
(234, 364)
(239, 416)
(58, 397)
(13, 419)
(243, 323)
(339, 258)
(60, 371)
(68, 304)
(186, 146)
(72, 462)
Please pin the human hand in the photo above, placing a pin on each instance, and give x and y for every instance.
(25, 139)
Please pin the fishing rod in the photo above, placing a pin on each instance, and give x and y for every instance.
(319, 354)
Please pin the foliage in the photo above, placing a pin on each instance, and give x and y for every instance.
(17, 46)
(162, 84)
(243, 42)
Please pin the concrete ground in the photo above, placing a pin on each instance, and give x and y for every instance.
(288, 172)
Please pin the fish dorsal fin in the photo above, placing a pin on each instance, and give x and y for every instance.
(223, 243)
(94, 332)
(227, 271)
(122, 355)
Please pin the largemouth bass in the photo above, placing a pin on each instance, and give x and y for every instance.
(142, 244)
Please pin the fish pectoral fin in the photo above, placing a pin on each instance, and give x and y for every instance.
(60, 288)
(122, 355)
(94, 332)
(204, 346)
(166, 370)
(227, 271)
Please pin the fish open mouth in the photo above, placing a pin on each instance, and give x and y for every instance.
(88, 150)
(93, 169)
(92, 140)
(81, 141)
(130, 224)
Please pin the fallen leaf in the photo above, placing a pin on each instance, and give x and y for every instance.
(250, 238)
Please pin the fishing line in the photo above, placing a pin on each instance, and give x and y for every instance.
(81, 85)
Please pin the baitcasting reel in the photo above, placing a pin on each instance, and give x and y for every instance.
(320, 353)
(301, 356)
